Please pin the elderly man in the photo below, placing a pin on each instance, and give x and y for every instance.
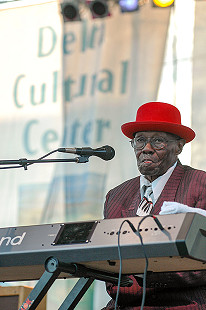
(165, 186)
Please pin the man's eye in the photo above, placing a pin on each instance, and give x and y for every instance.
(140, 139)
(159, 140)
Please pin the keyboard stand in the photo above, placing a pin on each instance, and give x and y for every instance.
(53, 268)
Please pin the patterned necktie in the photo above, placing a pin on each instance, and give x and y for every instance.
(146, 204)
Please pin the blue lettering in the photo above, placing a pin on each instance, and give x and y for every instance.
(124, 77)
(69, 38)
(94, 84)
(86, 133)
(26, 138)
(82, 86)
(93, 39)
(101, 124)
(75, 128)
(32, 93)
(16, 85)
(105, 85)
(67, 89)
(49, 137)
(48, 32)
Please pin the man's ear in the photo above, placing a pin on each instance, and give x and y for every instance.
(180, 145)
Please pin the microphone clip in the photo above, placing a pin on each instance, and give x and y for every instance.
(82, 159)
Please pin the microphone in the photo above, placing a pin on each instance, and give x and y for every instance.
(105, 152)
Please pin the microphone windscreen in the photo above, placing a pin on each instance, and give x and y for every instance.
(108, 153)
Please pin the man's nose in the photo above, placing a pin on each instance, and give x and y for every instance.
(148, 147)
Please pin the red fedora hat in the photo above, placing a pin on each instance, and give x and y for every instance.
(158, 116)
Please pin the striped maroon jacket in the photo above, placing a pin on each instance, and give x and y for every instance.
(169, 290)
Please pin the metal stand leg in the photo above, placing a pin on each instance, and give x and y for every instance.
(40, 290)
(76, 294)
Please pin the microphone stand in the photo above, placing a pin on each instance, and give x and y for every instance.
(51, 273)
(24, 162)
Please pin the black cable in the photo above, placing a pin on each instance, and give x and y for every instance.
(137, 232)
(120, 265)
(146, 264)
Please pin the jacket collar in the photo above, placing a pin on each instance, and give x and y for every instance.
(168, 193)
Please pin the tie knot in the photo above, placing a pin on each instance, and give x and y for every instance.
(147, 190)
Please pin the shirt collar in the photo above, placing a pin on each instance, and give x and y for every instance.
(158, 184)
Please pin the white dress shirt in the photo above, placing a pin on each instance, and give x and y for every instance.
(157, 185)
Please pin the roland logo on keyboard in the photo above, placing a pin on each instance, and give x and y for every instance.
(17, 240)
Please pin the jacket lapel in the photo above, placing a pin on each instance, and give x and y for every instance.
(170, 190)
(131, 211)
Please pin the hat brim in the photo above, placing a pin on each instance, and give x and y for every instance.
(129, 129)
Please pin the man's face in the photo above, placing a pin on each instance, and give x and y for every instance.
(152, 162)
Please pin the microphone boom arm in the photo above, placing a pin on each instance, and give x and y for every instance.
(23, 162)
(105, 152)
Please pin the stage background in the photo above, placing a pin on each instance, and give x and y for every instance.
(72, 85)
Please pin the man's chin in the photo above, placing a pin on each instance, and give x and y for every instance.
(148, 171)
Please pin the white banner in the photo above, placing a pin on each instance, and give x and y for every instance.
(71, 85)
(31, 106)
